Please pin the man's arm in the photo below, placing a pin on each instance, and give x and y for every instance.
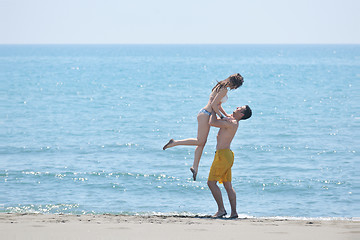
(216, 122)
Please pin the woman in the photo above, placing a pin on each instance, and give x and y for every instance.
(217, 97)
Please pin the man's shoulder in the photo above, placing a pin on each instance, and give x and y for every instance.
(233, 123)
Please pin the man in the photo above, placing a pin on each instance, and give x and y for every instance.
(220, 170)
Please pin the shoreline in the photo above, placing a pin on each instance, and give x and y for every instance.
(108, 226)
(179, 215)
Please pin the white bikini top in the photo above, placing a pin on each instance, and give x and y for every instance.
(224, 99)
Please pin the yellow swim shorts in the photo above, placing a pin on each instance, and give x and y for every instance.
(221, 167)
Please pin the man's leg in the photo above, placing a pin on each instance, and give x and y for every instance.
(232, 198)
(216, 192)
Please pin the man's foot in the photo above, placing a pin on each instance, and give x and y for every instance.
(169, 143)
(220, 214)
(194, 173)
(234, 216)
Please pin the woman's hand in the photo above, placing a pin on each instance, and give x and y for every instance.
(225, 117)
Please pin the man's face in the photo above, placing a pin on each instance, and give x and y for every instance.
(238, 111)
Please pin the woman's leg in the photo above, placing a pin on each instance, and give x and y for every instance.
(203, 132)
(200, 141)
(173, 143)
(189, 141)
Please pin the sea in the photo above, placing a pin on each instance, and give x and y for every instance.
(82, 129)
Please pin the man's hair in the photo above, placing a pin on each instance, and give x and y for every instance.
(247, 113)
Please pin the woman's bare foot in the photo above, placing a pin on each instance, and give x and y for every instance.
(168, 144)
(220, 214)
(234, 216)
(194, 172)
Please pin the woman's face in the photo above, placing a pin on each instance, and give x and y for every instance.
(233, 87)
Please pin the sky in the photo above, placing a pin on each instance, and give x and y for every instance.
(179, 22)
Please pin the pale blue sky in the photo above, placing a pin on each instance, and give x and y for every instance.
(183, 21)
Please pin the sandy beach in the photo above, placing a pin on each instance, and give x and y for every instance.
(58, 226)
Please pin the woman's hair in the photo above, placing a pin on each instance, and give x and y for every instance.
(234, 81)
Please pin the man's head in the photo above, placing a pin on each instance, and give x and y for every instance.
(242, 113)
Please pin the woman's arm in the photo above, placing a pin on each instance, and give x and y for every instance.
(217, 101)
(223, 111)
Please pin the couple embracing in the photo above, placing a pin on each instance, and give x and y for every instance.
(214, 115)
